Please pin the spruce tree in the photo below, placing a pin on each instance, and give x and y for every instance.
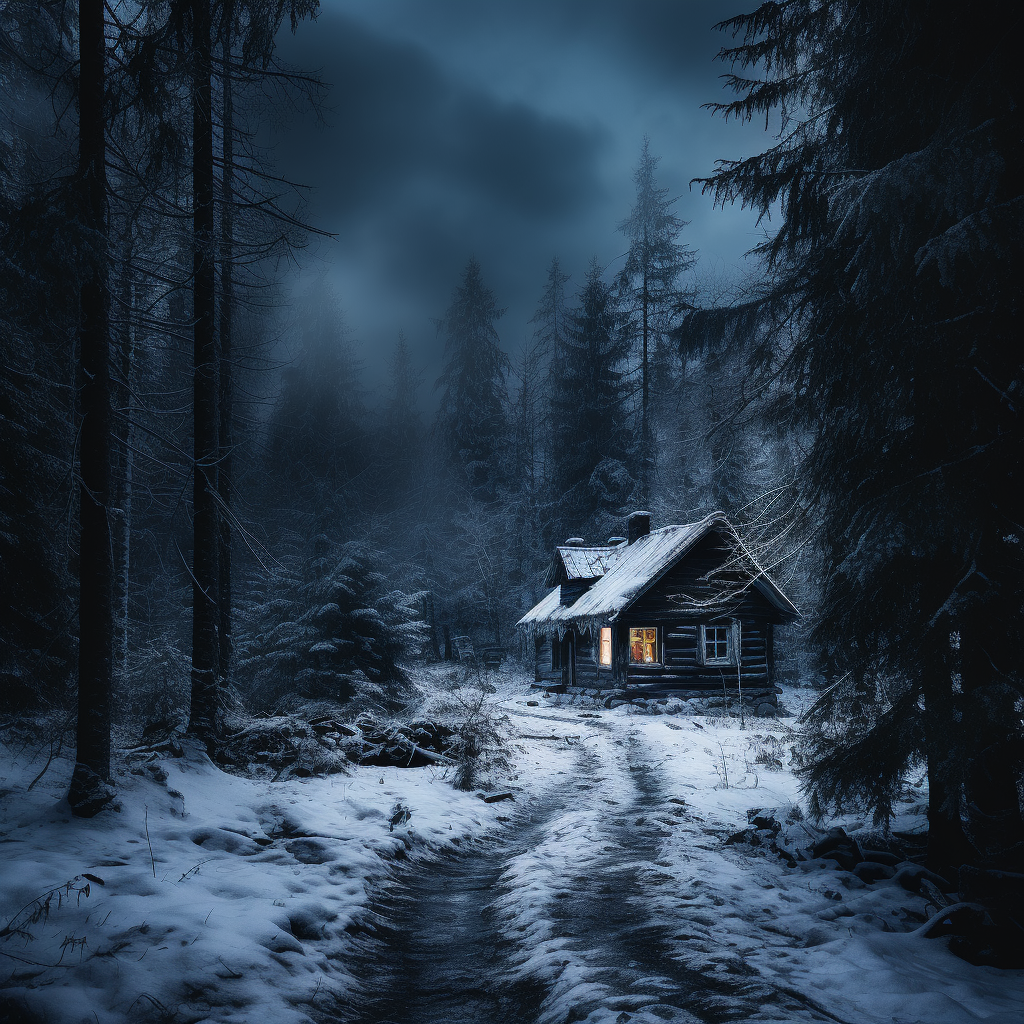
(471, 421)
(895, 291)
(649, 291)
(590, 447)
(329, 628)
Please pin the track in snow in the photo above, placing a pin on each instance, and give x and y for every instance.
(441, 955)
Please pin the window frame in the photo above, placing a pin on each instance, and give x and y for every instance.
(659, 652)
(730, 646)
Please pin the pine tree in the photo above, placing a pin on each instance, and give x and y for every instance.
(330, 629)
(897, 266)
(526, 460)
(649, 290)
(551, 317)
(589, 447)
(550, 334)
(546, 354)
(471, 422)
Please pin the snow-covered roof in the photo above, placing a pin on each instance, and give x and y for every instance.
(587, 563)
(636, 568)
(633, 569)
(547, 609)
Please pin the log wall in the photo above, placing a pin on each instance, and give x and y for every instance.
(704, 588)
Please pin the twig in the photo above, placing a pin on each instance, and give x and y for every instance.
(231, 973)
(53, 753)
(152, 859)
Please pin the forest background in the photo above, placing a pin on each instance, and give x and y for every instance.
(206, 514)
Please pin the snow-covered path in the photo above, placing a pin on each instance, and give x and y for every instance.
(558, 919)
(605, 892)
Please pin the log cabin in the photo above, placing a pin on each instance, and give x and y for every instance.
(681, 611)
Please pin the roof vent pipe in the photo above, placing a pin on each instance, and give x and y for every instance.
(575, 542)
(638, 525)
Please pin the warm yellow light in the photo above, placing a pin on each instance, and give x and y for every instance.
(606, 645)
(643, 646)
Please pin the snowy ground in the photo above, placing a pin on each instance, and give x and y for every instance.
(222, 898)
(723, 932)
(603, 892)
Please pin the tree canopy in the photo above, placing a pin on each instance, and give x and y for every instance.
(894, 299)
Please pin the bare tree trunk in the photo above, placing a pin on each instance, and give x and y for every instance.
(89, 791)
(205, 651)
(122, 484)
(224, 480)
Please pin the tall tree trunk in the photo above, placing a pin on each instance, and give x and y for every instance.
(89, 790)
(122, 483)
(226, 310)
(948, 846)
(205, 652)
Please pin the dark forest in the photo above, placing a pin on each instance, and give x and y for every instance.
(247, 543)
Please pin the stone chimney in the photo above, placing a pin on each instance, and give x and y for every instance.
(638, 525)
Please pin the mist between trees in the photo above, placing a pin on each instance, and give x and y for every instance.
(205, 515)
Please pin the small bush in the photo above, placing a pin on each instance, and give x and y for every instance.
(479, 733)
(768, 751)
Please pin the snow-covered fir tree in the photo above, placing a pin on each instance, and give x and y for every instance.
(331, 628)
(895, 303)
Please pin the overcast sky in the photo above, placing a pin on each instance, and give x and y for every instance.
(504, 129)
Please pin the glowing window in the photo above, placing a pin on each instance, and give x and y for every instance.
(643, 645)
(716, 645)
(605, 655)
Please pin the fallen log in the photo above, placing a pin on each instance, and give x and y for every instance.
(956, 917)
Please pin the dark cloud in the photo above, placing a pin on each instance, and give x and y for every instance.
(537, 166)
(396, 121)
(670, 40)
(504, 130)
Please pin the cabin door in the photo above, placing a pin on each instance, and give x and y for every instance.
(569, 659)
